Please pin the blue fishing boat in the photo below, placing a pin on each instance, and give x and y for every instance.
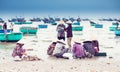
(20, 23)
(10, 37)
(117, 32)
(17, 19)
(41, 26)
(76, 23)
(98, 25)
(72, 19)
(116, 23)
(35, 20)
(112, 28)
(2, 31)
(53, 23)
(77, 28)
(57, 19)
(28, 30)
(13, 20)
(92, 23)
(86, 19)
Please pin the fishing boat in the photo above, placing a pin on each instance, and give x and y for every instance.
(2, 31)
(86, 19)
(12, 20)
(20, 19)
(35, 20)
(41, 26)
(92, 23)
(98, 25)
(57, 19)
(11, 37)
(28, 30)
(53, 23)
(77, 28)
(117, 32)
(115, 23)
(112, 28)
(20, 23)
(76, 23)
(72, 19)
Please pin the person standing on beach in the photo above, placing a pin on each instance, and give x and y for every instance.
(5, 27)
(61, 30)
(69, 33)
(11, 26)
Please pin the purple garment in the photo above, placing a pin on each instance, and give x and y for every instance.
(69, 31)
(89, 47)
(5, 26)
(78, 50)
(18, 51)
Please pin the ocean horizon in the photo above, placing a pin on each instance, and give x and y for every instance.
(28, 15)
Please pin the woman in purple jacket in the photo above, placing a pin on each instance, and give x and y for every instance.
(78, 50)
(18, 50)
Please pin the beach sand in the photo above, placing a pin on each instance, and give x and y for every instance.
(61, 65)
(39, 43)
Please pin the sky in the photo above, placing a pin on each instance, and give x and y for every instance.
(60, 6)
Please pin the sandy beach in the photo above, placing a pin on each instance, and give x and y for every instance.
(109, 43)
(61, 65)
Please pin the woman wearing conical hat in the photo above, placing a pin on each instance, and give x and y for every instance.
(60, 49)
(78, 50)
(61, 31)
(69, 33)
